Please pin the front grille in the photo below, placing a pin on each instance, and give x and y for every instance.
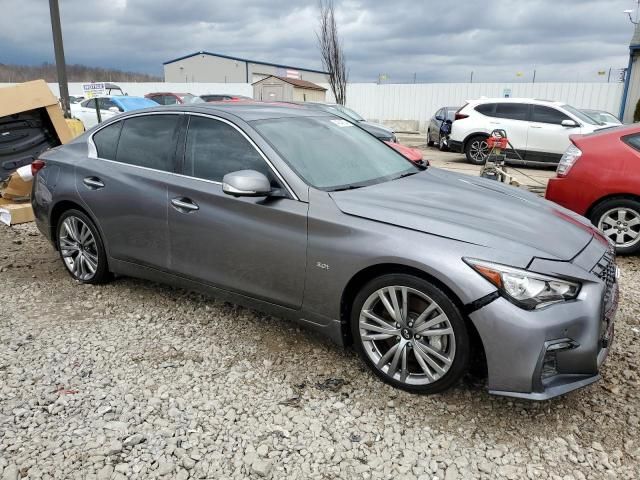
(606, 270)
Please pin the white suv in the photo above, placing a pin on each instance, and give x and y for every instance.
(538, 129)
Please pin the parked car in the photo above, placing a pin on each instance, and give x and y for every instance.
(598, 177)
(109, 107)
(169, 98)
(75, 99)
(294, 213)
(223, 97)
(383, 133)
(604, 118)
(412, 154)
(538, 129)
(439, 127)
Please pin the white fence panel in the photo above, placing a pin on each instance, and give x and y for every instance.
(418, 102)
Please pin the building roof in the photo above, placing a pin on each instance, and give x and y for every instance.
(295, 82)
(239, 59)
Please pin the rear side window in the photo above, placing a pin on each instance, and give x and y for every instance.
(542, 114)
(148, 141)
(512, 111)
(215, 149)
(486, 109)
(106, 141)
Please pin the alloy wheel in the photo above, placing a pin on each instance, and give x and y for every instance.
(621, 225)
(479, 150)
(407, 335)
(78, 248)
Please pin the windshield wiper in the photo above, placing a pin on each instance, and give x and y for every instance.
(404, 175)
(348, 187)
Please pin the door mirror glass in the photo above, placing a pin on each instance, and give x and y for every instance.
(440, 118)
(246, 183)
(114, 109)
(569, 123)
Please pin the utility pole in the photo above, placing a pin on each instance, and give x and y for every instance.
(609, 76)
(534, 77)
(471, 79)
(59, 53)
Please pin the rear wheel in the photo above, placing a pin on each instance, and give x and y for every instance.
(429, 141)
(619, 220)
(477, 150)
(81, 248)
(410, 333)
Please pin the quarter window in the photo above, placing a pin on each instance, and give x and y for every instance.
(544, 114)
(214, 149)
(148, 141)
(486, 109)
(512, 111)
(106, 141)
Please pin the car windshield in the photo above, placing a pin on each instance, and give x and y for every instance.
(451, 113)
(330, 153)
(604, 117)
(188, 98)
(580, 115)
(348, 112)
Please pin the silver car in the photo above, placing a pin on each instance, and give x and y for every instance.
(306, 216)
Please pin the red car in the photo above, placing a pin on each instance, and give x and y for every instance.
(170, 98)
(599, 177)
(412, 154)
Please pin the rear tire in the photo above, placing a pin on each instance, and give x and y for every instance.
(81, 249)
(477, 150)
(429, 141)
(619, 220)
(423, 348)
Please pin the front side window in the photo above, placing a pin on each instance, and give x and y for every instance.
(91, 103)
(331, 153)
(542, 114)
(148, 141)
(215, 148)
(512, 111)
(106, 104)
(169, 100)
(106, 141)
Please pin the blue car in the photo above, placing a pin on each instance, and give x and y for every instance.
(109, 106)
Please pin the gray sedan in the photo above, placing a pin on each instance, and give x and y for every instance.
(304, 215)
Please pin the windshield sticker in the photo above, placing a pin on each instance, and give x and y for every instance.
(342, 123)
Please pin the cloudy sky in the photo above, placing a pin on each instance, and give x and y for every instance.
(438, 41)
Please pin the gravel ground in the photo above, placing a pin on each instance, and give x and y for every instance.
(138, 380)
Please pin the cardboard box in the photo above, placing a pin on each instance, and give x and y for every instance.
(17, 189)
(13, 213)
(32, 95)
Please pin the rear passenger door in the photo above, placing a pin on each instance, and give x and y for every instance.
(513, 118)
(252, 246)
(548, 139)
(124, 184)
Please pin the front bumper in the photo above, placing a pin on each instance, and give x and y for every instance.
(540, 354)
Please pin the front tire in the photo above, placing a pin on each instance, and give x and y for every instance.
(619, 220)
(477, 150)
(410, 334)
(81, 248)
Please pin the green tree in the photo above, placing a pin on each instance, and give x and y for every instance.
(636, 113)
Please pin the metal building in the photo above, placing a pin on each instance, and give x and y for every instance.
(631, 93)
(277, 89)
(217, 68)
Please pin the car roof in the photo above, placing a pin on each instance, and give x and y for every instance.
(536, 101)
(245, 111)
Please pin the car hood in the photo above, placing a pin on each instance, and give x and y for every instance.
(376, 129)
(473, 210)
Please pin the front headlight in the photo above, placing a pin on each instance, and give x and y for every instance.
(526, 289)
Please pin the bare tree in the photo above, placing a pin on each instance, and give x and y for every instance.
(331, 52)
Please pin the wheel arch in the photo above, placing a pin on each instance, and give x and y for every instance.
(612, 196)
(56, 212)
(478, 133)
(358, 281)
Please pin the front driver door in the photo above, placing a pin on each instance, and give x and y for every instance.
(548, 139)
(252, 246)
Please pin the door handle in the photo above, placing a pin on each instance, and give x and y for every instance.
(93, 183)
(184, 205)
(535, 126)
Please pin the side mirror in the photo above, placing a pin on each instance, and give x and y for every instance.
(246, 183)
(569, 123)
(114, 109)
(440, 118)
